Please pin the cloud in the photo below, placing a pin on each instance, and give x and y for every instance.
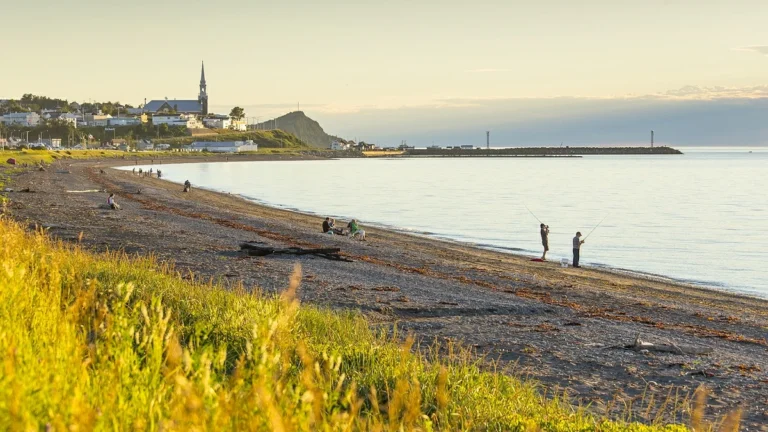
(760, 49)
(488, 70)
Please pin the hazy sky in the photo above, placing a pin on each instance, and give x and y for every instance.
(341, 59)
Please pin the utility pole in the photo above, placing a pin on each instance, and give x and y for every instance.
(488, 140)
(651, 138)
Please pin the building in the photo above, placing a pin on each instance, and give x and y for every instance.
(337, 145)
(467, 147)
(162, 147)
(178, 106)
(29, 119)
(124, 121)
(223, 146)
(217, 122)
(145, 145)
(69, 118)
(188, 121)
(239, 125)
(97, 119)
(51, 142)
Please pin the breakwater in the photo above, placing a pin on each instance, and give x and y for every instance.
(543, 151)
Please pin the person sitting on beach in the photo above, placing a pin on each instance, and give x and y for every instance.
(111, 202)
(355, 231)
(337, 231)
(187, 186)
(327, 229)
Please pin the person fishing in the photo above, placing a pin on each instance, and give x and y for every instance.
(187, 186)
(544, 240)
(577, 242)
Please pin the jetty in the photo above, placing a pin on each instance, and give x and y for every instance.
(539, 151)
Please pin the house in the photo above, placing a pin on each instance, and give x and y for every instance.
(337, 145)
(51, 142)
(29, 119)
(69, 118)
(467, 147)
(145, 145)
(217, 122)
(186, 120)
(97, 119)
(162, 147)
(123, 121)
(223, 146)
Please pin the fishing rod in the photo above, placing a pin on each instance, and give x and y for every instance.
(593, 229)
(529, 211)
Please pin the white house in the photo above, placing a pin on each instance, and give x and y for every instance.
(188, 121)
(218, 122)
(22, 118)
(162, 147)
(239, 125)
(97, 119)
(337, 145)
(69, 118)
(223, 146)
(124, 121)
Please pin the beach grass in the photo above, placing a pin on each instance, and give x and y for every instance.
(111, 342)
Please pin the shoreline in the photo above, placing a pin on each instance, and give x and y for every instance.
(566, 328)
(516, 252)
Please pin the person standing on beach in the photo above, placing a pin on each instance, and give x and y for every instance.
(577, 242)
(544, 240)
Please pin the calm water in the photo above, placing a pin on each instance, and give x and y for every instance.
(701, 217)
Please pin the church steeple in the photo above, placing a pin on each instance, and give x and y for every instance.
(203, 96)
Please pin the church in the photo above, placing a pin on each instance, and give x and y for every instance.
(196, 107)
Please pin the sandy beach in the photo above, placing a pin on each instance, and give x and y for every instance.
(567, 328)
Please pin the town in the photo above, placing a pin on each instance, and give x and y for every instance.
(38, 122)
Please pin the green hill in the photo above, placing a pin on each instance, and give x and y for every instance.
(265, 139)
(297, 123)
(108, 342)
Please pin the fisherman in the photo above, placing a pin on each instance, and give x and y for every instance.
(134, 170)
(544, 240)
(159, 174)
(577, 242)
(187, 186)
(111, 202)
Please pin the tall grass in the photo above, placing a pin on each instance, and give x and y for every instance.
(108, 342)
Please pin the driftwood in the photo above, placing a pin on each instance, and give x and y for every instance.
(327, 253)
(641, 345)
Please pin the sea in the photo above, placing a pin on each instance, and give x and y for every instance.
(699, 218)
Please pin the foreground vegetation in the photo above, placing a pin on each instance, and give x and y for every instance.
(109, 342)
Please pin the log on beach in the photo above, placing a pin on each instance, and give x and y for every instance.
(327, 253)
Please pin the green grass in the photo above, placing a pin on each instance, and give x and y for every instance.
(108, 342)
(265, 139)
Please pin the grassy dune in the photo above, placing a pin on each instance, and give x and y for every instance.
(108, 342)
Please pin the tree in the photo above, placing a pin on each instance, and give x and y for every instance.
(237, 113)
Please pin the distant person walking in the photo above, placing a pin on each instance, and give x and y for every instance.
(577, 242)
(544, 240)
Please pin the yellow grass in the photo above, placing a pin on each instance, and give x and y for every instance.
(108, 342)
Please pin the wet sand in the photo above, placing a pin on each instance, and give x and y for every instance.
(565, 327)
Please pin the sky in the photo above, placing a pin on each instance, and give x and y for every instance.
(549, 70)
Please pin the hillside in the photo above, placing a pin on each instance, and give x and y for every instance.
(109, 342)
(265, 139)
(303, 127)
